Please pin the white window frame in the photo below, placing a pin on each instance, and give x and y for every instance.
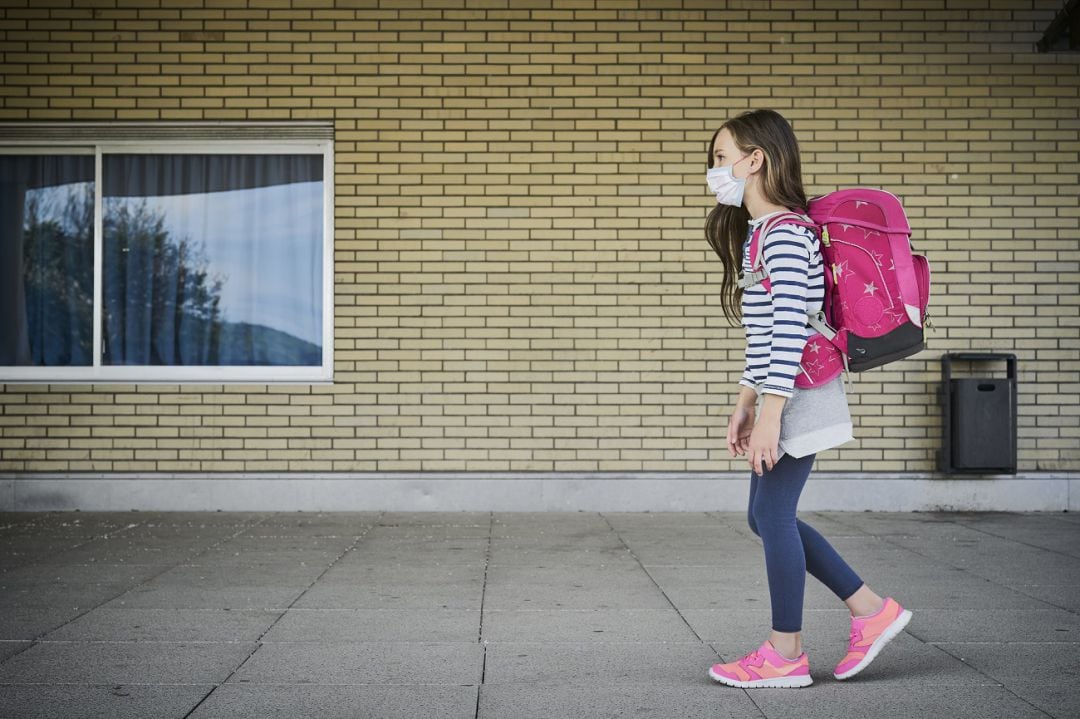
(181, 374)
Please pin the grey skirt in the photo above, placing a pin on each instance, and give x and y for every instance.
(813, 420)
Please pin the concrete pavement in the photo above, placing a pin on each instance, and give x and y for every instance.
(508, 615)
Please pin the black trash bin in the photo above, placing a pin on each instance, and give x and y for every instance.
(979, 417)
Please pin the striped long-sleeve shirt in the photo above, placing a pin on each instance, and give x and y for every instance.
(776, 328)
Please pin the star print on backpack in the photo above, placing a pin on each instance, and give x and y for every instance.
(877, 291)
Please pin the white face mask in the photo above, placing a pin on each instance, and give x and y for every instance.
(728, 188)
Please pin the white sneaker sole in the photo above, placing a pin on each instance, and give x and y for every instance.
(891, 631)
(803, 680)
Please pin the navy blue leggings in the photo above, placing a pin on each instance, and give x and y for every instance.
(792, 547)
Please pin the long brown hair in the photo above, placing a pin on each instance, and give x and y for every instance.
(781, 183)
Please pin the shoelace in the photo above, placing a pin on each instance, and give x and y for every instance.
(854, 636)
(753, 659)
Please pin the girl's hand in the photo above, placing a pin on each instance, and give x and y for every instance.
(739, 428)
(764, 442)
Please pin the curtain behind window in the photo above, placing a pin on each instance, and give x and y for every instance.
(46, 260)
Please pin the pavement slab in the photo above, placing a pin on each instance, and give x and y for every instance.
(111, 623)
(125, 662)
(531, 701)
(100, 701)
(285, 701)
(376, 625)
(399, 663)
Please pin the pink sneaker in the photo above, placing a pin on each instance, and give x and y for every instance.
(869, 635)
(764, 667)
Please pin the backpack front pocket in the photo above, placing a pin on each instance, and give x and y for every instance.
(821, 363)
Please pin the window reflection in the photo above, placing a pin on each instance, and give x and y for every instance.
(213, 259)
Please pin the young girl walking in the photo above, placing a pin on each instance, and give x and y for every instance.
(754, 169)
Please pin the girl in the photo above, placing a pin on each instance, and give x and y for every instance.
(754, 170)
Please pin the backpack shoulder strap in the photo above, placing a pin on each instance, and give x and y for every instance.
(758, 272)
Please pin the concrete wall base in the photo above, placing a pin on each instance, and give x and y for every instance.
(527, 492)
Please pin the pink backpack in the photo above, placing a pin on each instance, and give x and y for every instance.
(876, 290)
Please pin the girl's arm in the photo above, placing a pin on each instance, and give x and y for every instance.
(747, 398)
(787, 258)
(772, 407)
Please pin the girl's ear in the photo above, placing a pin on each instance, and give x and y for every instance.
(757, 160)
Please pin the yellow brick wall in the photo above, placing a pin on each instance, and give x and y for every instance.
(521, 277)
